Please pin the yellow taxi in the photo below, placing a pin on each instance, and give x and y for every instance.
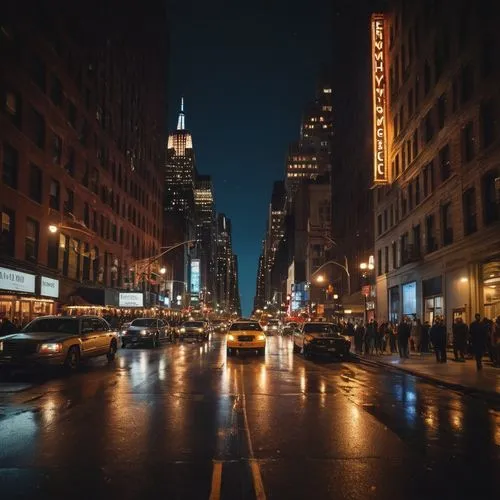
(246, 336)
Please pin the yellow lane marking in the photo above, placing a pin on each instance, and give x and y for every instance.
(216, 481)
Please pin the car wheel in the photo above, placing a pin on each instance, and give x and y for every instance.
(124, 345)
(155, 342)
(112, 351)
(305, 352)
(296, 348)
(262, 351)
(72, 361)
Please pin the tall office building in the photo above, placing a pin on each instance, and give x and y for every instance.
(81, 125)
(437, 157)
(205, 234)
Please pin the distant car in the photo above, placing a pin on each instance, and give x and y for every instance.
(219, 326)
(245, 336)
(321, 338)
(273, 326)
(290, 328)
(193, 331)
(149, 331)
(58, 340)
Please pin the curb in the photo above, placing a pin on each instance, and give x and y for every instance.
(490, 395)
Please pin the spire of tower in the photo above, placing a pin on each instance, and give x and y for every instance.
(180, 121)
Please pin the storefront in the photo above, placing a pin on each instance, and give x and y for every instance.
(394, 304)
(490, 275)
(24, 296)
(432, 290)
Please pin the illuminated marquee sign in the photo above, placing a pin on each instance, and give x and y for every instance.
(379, 81)
(195, 276)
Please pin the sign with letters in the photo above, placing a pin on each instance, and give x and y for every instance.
(379, 87)
(49, 287)
(131, 299)
(16, 281)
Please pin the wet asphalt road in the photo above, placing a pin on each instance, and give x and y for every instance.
(183, 422)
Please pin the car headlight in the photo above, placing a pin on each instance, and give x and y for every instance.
(124, 332)
(199, 330)
(182, 330)
(1, 346)
(50, 348)
(308, 338)
(145, 332)
(261, 337)
(230, 337)
(264, 328)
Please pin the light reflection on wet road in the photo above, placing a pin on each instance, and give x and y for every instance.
(166, 422)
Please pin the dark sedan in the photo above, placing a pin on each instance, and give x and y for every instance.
(321, 339)
(149, 331)
(193, 331)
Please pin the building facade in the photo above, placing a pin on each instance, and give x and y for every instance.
(437, 218)
(81, 126)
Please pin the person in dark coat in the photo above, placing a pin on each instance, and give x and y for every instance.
(460, 333)
(438, 339)
(478, 334)
(359, 335)
(7, 327)
(424, 342)
(404, 331)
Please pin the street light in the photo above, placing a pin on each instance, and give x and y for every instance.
(344, 268)
(163, 270)
(53, 228)
(320, 279)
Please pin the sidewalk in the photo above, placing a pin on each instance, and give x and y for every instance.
(456, 375)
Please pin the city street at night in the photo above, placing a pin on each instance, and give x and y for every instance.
(184, 421)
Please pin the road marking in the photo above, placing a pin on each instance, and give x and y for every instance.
(216, 481)
(258, 485)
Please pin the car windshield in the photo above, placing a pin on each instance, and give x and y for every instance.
(319, 328)
(195, 324)
(246, 326)
(55, 325)
(144, 322)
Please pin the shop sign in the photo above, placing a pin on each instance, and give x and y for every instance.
(16, 281)
(195, 276)
(49, 287)
(130, 299)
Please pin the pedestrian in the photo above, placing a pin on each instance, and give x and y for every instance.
(489, 327)
(460, 333)
(7, 327)
(359, 335)
(392, 338)
(496, 341)
(416, 334)
(478, 335)
(424, 341)
(370, 336)
(438, 339)
(404, 330)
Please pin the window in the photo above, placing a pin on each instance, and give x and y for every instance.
(391, 216)
(379, 262)
(70, 163)
(446, 224)
(83, 133)
(401, 117)
(488, 123)
(94, 181)
(12, 106)
(394, 251)
(31, 240)
(386, 260)
(469, 211)
(10, 166)
(397, 166)
(55, 195)
(86, 214)
(8, 234)
(35, 185)
(427, 78)
(428, 127)
(38, 73)
(410, 103)
(37, 123)
(69, 204)
(385, 220)
(56, 149)
(410, 196)
(56, 93)
(416, 242)
(417, 191)
(415, 143)
(444, 163)
(430, 236)
(490, 196)
(94, 221)
(72, 114)
(441, 111)
(468, 143)
(466, 83)
(404, 203)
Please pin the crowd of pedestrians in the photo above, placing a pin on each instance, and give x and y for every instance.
(411, 335)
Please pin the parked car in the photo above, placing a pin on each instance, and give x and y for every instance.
(58, 340)
(246, 336)
(149, 331)
(321, 338)
(193, 331)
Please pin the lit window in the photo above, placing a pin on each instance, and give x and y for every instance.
(327, 91)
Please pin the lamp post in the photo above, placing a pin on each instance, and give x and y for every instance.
(366, 267)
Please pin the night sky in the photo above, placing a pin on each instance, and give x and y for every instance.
(246, 70)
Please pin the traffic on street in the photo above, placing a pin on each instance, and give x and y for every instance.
(186, 421)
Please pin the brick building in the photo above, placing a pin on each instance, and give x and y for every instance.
(437, 218)
(81, 138)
